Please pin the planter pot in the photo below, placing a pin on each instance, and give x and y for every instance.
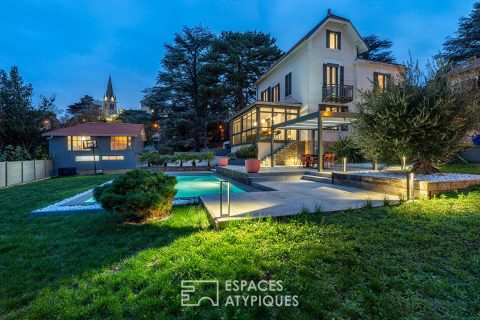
(222, 161)
(252, 165)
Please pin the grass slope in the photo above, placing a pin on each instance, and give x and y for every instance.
(416, 260)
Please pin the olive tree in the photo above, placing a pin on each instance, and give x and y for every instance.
(424, 117)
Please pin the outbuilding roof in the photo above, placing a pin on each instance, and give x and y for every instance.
(100, 129)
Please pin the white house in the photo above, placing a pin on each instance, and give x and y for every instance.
(320, 74)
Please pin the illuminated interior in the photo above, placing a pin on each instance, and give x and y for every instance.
(256, 122)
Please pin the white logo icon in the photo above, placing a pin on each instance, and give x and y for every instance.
(190, 288)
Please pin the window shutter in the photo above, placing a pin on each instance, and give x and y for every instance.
(328, 39)
(324, 74)
(341, 75)
(270, 95)
(387, 80)
(278, 92)
(339, 39)
(375, 80)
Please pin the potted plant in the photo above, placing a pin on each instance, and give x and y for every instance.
(252, 165)
(222, 161)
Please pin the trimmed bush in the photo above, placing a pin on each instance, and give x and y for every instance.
(141, 194)
(345, 147)
(247, 152)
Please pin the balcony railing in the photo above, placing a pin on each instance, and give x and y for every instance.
(337, 93)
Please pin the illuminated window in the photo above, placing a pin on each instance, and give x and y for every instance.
(86, 158)
(113, 158)
(266, 95)
(333, 40)
(380, 80)
(120, 143)
(276, 93)
(75, 143)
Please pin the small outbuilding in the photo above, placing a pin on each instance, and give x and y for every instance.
(105, 146)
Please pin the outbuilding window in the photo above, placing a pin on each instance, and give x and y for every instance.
(75, 143)
(120, 143)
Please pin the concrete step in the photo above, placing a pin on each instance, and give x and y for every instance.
(319, 174)
(317, 179)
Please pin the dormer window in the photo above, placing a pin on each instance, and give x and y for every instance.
(334, 40)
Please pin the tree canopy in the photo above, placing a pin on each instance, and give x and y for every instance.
(86, 110)
(466, 42)
(422, 117)
(378, 49)
(21, 122)
(205, 78)
(240, 58)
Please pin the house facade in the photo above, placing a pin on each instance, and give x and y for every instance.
(320, 73)
(118, 146)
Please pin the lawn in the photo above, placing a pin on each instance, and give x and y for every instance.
(473, 168)
(418, 260)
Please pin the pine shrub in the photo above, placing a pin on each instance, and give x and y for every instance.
(139, 194)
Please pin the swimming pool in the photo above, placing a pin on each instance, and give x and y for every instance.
(193, 186)
(189, 188)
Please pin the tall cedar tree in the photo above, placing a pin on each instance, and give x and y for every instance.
(466, 43)
(378, 50)
(240, 58)
(86, 110)
(21, 122)
(426, 121)
(182, 96)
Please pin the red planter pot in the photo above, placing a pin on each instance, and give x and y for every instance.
(222, 161)
(252, 165)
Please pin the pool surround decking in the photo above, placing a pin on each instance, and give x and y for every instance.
(292, 197)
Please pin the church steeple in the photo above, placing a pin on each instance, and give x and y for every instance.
(109, 93)
(109, 100)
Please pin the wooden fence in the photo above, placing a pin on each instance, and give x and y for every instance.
(17, 172)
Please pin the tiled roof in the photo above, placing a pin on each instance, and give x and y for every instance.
(99, 129)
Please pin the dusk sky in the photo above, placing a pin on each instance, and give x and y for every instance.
(68, 48)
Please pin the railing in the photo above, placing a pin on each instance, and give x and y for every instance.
(337, 93)
(221, 197)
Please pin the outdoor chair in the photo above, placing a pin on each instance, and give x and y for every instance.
(329, 160)
(305, 160)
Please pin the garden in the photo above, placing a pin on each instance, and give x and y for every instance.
(416, 260)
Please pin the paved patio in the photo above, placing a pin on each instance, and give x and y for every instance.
(290, 198)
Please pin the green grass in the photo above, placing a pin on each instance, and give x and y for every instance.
(473, 168)
(419, 260)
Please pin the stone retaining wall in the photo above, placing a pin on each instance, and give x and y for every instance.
(399, 186)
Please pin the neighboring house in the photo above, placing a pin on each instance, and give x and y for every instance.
(468, 70)
(118, 146)
(321, 72)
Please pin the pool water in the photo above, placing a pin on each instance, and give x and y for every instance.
(198, 185)
(191, 186)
